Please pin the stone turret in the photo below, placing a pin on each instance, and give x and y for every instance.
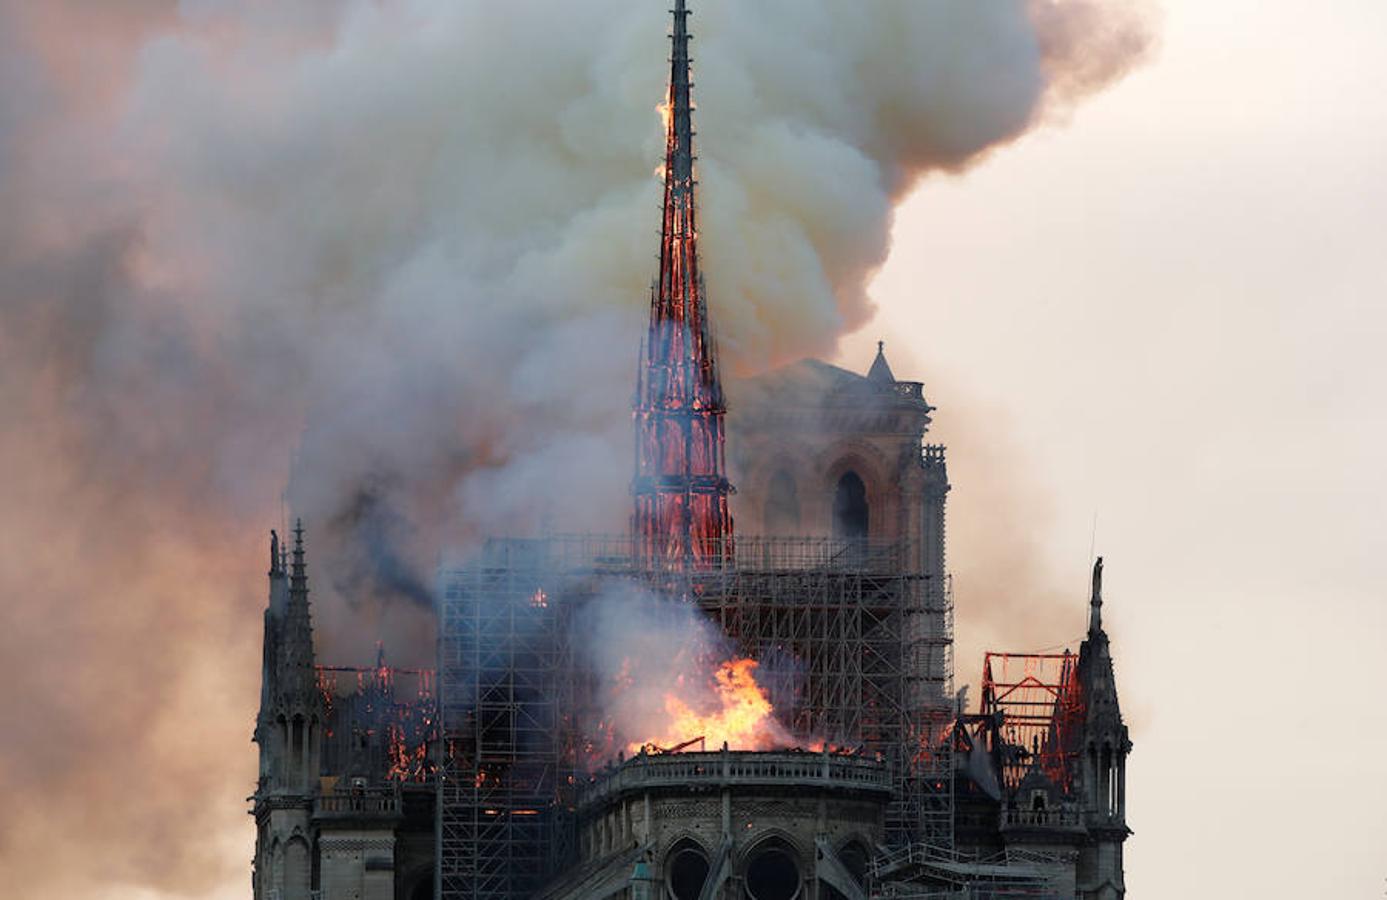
(289, 732)
(1104, 748)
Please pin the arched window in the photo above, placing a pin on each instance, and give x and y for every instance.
(782, 505)
(773, 873)
(850, 508)
(686, 870)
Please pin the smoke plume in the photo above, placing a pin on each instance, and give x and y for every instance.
(665, 674)
(393, 255)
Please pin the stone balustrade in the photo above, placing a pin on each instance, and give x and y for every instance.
(369, 802)
(1040, 818)
(716, 770)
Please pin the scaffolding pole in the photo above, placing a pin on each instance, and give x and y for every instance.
(855, 650)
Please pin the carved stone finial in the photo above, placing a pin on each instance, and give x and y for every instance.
(1095, 616)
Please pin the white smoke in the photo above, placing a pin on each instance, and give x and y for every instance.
(445, 215)
(406, 244)
(654, 658)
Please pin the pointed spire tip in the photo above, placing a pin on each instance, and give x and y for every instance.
(881, 369)
(1095, 618)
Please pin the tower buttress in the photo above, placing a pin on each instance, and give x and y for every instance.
(681, 518)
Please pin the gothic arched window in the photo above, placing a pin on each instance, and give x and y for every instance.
(850, 508)
(687, 870)
(773, 873)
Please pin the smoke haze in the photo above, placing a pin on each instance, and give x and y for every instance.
(654, 661)
(393, 255)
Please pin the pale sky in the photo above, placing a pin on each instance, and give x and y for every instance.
(1171, 310)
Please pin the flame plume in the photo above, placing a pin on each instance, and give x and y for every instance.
(744, 718)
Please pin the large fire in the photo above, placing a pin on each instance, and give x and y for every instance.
(743, 717)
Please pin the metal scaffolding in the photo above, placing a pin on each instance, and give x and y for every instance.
(502, 816)
(926, 872)
(1038, 707)
(855, 650)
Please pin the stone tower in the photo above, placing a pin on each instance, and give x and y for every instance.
(1103, 773)
(820, 451)
(289, 731)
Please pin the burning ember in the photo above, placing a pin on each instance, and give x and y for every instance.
(741, 716)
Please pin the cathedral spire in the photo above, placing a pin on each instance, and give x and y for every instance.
(679, 148)
(681, 518)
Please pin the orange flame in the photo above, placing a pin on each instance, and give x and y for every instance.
(744, 719)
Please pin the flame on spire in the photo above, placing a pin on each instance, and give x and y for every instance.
(681, 518)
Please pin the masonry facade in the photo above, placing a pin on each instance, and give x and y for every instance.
(347, 801)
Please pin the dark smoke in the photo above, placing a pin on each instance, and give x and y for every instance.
(374, 538)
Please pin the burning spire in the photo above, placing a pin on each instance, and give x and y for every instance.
(681, 517)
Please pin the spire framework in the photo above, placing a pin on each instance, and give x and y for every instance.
(681, 518)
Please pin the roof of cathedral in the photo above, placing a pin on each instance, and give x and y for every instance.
(881, 370)
(818, 382)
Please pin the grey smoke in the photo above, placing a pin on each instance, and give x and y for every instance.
(405, 245)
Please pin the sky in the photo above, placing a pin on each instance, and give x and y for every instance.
(1135, 268)
(1169, 310)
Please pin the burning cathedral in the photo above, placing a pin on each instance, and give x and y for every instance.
(835, 761)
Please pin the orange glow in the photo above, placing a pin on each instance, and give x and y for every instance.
(744, 719)
(663, 108)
